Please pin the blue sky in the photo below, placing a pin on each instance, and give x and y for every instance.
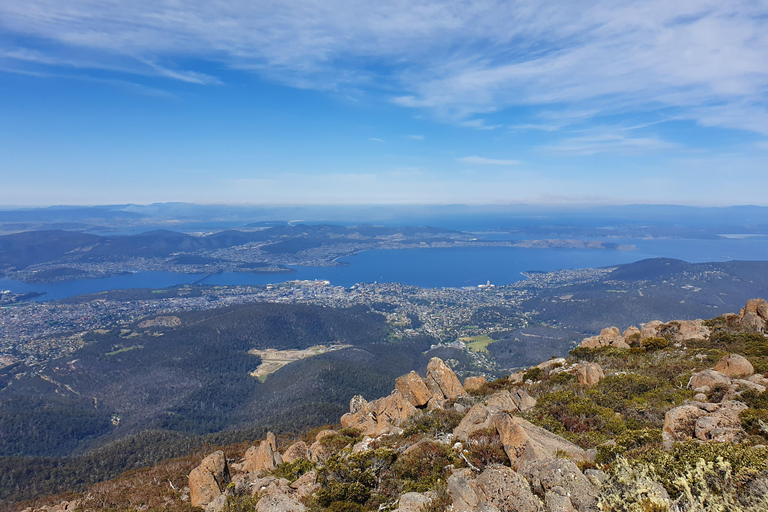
(404, 101)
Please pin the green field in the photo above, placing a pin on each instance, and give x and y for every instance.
(478, 343)
(124, 349)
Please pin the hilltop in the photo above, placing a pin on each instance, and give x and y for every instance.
(664, 416)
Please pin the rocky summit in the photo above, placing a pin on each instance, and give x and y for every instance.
(667, 416)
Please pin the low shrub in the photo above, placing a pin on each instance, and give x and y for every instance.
(533, 374)
(485, 448)
(352, 478)
(432, 423)
(654, 343)
(424, 465)
(293, 470)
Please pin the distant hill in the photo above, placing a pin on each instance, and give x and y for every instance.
(192, 379)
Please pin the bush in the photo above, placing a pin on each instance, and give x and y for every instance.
(628, 441)
(432, 423)
(424, 465)
(340, 439)
(533, 374)
(293, 470)
(352, 478)
(345, 506)
(755, 421)
(485, 448)
(654, 343)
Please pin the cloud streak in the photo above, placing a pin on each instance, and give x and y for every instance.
(479, 160)
(705, 59)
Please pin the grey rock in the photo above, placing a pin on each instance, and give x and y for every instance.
(506, 490)
(279, 503)
(544, 476)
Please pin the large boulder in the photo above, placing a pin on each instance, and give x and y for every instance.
(208, 480)
(691, 330)
(758, 307)
(503, 488)
(413, 388)
(703, 421)
(523, 400)
(391, 411)
(734, 365)
(721, 426)
(478, 418)
(549, 477)
(265, 457)
(363, 419)
(608, 337)
(523, 441)
(297, 450)
(462, 492)
(708, 378)
(442, 382)
(650, 329)
(551, 364)
(502, 401)
(589, 374)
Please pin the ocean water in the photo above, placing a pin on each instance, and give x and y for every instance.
(432, 268)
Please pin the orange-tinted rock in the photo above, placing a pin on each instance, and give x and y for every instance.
(413, 389)
(208, 479)
(589, 374)
(297, 450)
(523, 440)
(442, 381)
(734, 365)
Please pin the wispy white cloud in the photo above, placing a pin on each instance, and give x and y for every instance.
(480, 160)
(454, 58)
(618, 143)
(375, 139)
(416, 137)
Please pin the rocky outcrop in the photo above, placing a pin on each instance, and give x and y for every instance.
(734, 365)
(442, 382)
(265, 457)
(413, 388)
(754, 316)
(297, 450)
(523, 441)
(608, 337)
(480, 415)
(560, 482)
(708, 379)
(392, 411)
(703, 421)
(498, 488)
(385, 415)
(589, 374)
(675, 331)
(503, 488)
(413, 502)
(208, 480)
